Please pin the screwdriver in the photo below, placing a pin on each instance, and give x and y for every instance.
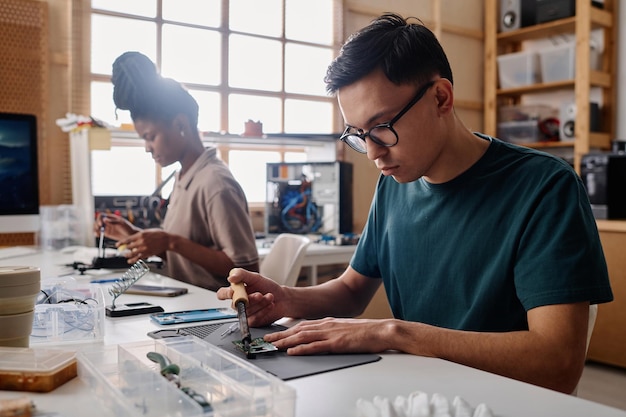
(240, 300)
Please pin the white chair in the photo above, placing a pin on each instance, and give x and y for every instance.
(284, 260)
(593, 314)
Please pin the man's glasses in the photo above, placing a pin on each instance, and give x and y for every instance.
(382, 134)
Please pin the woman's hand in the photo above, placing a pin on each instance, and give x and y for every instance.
(115, 227)
(144, 244)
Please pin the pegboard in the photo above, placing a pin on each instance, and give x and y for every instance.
(24, 74)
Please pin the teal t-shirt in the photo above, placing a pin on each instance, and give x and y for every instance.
(513, 232)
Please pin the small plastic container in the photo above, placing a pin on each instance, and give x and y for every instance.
(558, 63)
(19, 287)
(35, 370)
(523, 131)
(128, 382)
(15, 329)
(521, 112)
(60, 227)
(67, 313)
(518, 69)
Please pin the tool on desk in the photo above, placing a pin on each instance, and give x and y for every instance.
(108, 262)
(157, 290)
(104, 281)
(171, 372)
(101, 242)
(240, 300)
(231, 329)
(132, 275)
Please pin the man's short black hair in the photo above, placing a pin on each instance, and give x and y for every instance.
(407, 52)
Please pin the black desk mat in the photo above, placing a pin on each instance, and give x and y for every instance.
(280, 364)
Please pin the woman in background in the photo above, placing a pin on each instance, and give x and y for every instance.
(207, 229)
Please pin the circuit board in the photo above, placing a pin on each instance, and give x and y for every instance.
(257, 346)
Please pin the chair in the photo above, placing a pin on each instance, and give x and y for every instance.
(593, 314)
(284, 260)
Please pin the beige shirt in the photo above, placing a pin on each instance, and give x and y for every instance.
(209, 207)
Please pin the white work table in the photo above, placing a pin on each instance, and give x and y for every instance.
(328, 394)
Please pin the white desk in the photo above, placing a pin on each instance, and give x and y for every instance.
(319, 254)
(328, 394)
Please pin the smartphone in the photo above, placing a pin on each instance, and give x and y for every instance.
(190, 316)
(156, 290)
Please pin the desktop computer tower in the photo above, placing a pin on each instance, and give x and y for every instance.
(604, 177)
(309, 198)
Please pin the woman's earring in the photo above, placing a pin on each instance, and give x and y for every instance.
(182, 133)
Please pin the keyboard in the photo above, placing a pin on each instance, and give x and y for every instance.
(15, 251)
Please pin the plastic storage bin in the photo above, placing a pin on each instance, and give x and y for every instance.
(126, 380)
(60, 227)
(520, 112)
(68, 312)
(558, 63)
(518, 69)
(35, 370)
(524, 131)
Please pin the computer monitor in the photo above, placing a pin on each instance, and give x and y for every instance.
(19, 176)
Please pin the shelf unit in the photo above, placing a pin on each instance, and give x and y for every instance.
(587, 18)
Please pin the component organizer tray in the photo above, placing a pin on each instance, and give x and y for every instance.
(123, 377)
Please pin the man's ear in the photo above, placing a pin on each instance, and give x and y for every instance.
(444, 93)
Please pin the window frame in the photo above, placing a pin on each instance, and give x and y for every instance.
(228, 142)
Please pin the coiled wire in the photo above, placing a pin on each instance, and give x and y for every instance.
(132, 275)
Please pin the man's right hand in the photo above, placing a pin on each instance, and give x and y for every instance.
(266, 298)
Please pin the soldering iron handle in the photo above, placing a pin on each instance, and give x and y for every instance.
(239, 293)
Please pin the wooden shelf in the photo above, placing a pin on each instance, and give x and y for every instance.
(596, 79)
(597, 140)
(602, 82)
(598, 18)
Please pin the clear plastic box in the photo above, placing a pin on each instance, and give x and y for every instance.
(558, 63)
(124, 378)
(524, 131)
(68, 312)
(35, 370)
(518, 69)
(520, 112)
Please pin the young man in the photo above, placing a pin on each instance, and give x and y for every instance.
(489, 252)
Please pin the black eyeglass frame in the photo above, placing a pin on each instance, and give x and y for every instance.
(361, 134)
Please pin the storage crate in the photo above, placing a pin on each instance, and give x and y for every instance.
(518, 69)
(524, 131)
(68, 312)
(558, 63)
(521, 112)
(125, 380)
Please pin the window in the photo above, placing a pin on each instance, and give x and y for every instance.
(240, 59)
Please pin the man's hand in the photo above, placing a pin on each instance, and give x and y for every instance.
(264, 297)
(331, 335)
